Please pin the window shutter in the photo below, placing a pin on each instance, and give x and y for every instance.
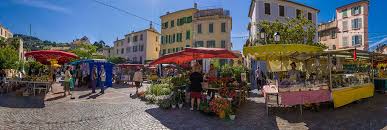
(360, 23)
(353, 24)
(360, 39)
(353, 40)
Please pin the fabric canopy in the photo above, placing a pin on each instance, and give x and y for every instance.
(45, 56)
(276, 51)
(190, 54)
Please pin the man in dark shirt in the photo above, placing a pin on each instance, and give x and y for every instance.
(196, 79)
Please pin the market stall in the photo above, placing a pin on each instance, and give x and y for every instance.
(86, 68)
(220, 94)
(41, 81)
(296, 74)
(380, 66)
(124, 72)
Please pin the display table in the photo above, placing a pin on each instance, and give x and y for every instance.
(380, 84)
(344, 96)
(304, 97)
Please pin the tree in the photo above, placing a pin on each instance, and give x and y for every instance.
(117, 60)
(293, 31)
(101, 44)
(84, 50)
(9, 58)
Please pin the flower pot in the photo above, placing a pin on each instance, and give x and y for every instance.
(181, 105)
(173, 106)
(232, 117)
(222, 114)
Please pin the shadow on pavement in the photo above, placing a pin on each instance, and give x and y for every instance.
(56, 98)
(251, 115)
(22, 102)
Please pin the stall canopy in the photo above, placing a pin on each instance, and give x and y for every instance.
(108, 67)
(46, 56)
(276, 51)
(190, 54)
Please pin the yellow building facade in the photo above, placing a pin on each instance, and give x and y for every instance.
(176, 30)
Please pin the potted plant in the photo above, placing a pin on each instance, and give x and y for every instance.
(173, 102)
(219, 106)
(231, 113)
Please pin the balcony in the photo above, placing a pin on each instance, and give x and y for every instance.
(327, 26)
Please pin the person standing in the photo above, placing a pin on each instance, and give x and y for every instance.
(196, 79)
(103, 79)
(137, 78)
(260, 78)
(93, 79)
(67, 79)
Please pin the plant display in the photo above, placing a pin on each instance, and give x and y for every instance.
(219, 105)
(227, 92)
(159, 89)
(179, 81)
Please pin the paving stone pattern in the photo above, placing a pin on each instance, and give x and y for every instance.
(115, 110)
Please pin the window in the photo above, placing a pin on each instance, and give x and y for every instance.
(140, 60)
(211, 28)
(189, 19)
(298, 13)
(199, 28)
(356, 10)
(164, 51)
(267, 8)
(334, 47)
(157, 38)
(134, 48)
(211, 44)
(223, 27)
(169, 51)
(356, 40)
(181, 48)
(173, 50)
(117, 51)
(281, 10)
(128, 49)
(162, 39)
(141, 38)
(333, 34)
(356, 23)
(223, 44)
(199, 44)
(345, 41)
(309, 16)
(187, 46)
(128, 39)
(122, 50)
(170, 39)
(188, 35)
(172, 23)
(135, 39)
(165, 25)
(345, 13)
(345, 25)
(141, 48)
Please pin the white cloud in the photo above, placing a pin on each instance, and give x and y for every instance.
(43, 4)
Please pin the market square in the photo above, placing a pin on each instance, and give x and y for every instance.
(197, 64)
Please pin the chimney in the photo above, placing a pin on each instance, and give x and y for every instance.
(195, 5)
(151, 25)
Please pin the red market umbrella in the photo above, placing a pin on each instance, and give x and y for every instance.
(45, 56)
(190, 54)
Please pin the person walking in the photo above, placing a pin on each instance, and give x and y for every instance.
(196, 79)
(67, 78)
(137, 78)
(260, 78)
(103, 79)
(93, 79)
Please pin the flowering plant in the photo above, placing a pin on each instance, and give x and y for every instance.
(229, 93)
(218, 105)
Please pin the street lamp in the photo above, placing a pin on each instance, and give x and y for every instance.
(277, 37)
(263, 35)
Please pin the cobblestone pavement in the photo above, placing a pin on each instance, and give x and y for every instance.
(116, 110)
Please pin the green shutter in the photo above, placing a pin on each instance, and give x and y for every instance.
(188, 35)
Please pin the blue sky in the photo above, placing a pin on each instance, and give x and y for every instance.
(65, 20)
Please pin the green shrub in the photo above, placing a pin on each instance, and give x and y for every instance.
(159, 89)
